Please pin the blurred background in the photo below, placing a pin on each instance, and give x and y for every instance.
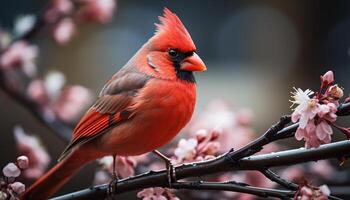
(255, 51)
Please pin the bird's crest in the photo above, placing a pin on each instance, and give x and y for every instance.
(171, 33)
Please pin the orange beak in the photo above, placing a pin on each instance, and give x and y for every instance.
(193, 63)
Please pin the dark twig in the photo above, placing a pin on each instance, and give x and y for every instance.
(235, 187)
(277, 179)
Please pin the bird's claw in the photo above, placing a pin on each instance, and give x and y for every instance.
(112, 186)
(171, 175)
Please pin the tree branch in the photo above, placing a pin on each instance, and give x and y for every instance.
(258, 162)
(233, 160)
(235, 187)
(277, 179)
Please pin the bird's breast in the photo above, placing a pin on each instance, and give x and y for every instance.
(162, 109)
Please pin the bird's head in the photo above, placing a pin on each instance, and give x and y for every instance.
(171, 53)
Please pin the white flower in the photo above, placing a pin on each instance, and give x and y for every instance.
(20, 54)
(24, 23)
(307, 108)
(11, 170)
(325, 190)
(23, 162)
(301, 97)
(186, 149)
(54, 81)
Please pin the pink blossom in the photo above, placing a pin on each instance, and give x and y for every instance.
(18, 187)
(57, 9)
(324, 132)
(72, 101)
(233, 127)
(23, 162)
(152, 194)
(328, 112)
(36, 91)
(97, 10)
(186, 150)
(31, 147)
(208, 145)
(307, 108)
(54, 82)
(101, 177)
(313, 119)
(335, 92)
(156, 193)
(327, 79)
(322, 168)
(64, 30)
(63, 6)
(313, 193)
(21, 55)
(11, 170)
(244, 116)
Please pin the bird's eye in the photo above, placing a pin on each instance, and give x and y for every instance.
(173, 53)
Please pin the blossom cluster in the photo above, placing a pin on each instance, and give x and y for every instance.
(9, 187)
(316, 112)
(56, 99)
(66, 14)
(156, 193)
(204, 146)
(31, 147)
(307, 192)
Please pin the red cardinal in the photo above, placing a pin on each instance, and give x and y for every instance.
(141, 108)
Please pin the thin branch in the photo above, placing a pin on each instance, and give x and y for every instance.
(295, 156)
(159, 179)
(235, 187)
(277, 179)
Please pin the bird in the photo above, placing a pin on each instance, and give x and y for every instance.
(140, 109)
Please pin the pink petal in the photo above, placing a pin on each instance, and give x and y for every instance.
(323, 129)
(18, 187)
(300, 134)
(23, 162)
(64, 30)
(295, 116)
(158, 190)
(327, 78)
(303, 121)
(11, 170)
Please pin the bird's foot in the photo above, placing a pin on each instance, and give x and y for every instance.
(171, 174)
(112, 186)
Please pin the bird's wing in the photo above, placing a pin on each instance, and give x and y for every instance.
(110, 109)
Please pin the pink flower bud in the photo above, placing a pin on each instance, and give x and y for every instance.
(327, 78)
(23, 162)
(18, 187)
(11, 170)
(64, 31)
(335, 92)
(201, 134)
